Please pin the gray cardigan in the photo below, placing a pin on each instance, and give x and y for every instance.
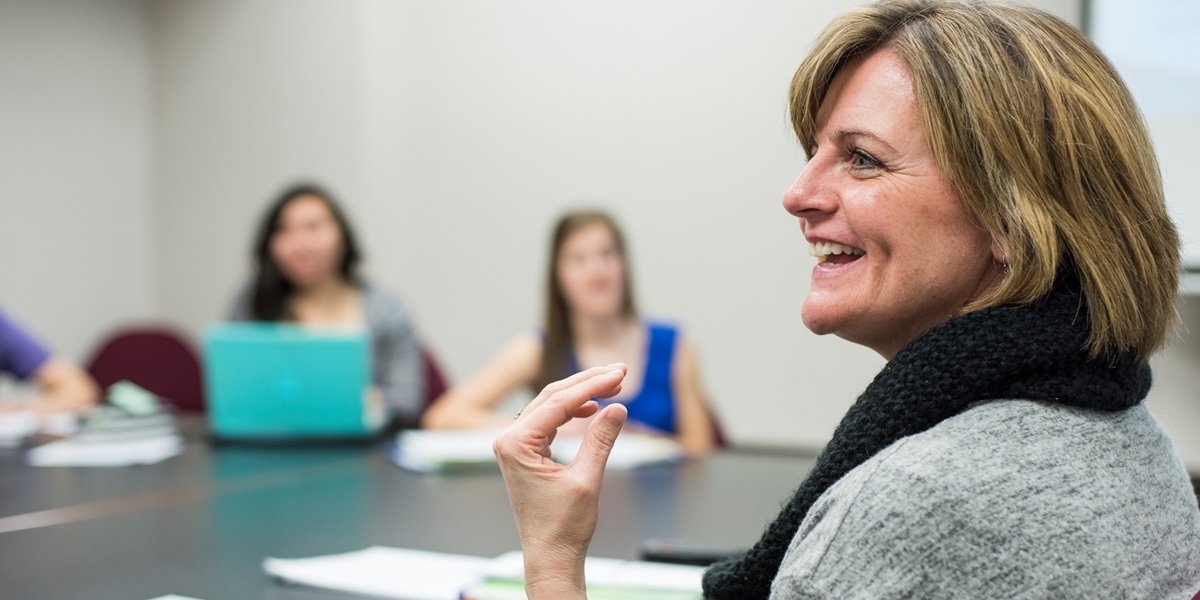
(397, 368)
(1010, 499)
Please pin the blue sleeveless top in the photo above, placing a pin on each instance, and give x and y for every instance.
(655, 403)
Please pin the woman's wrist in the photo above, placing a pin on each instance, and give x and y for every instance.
(555, 584)
(555, 590)
(551, 574)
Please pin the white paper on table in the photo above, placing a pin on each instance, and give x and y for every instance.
(431, 451)
(174, 597)
(110, 453)
(630, 451)
(16, 425)
(611, 572)
(387, 572)
(59, 424)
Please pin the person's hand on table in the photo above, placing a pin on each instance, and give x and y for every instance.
(556, 506)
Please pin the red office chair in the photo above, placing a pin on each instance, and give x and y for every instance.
(435, 381)
(160, 360)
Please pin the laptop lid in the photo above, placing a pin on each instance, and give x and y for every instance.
(269, 380)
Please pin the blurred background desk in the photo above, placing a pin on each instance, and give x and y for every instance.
(200, 524)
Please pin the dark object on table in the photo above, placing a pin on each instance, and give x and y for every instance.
(686, 552)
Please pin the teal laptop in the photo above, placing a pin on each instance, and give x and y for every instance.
(270, 381)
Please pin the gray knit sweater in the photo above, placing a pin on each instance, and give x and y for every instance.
(396, 363)
(1009, 499)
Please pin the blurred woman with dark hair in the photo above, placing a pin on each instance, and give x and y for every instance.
(306, 271)
(591, 320)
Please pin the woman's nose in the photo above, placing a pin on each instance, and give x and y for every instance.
(811, 193)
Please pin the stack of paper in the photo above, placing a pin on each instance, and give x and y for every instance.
(16, 425)
(116, 453)
(419, 575)
(632, 450)
(503, 589)
(385, 572)
(607, 579)
(442, 451)
(112, 437)
(129, 406)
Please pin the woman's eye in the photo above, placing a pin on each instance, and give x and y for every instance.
(862, 160)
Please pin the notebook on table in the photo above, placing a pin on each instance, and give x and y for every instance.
(283, 382)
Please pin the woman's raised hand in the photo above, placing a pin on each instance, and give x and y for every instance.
(556, 506)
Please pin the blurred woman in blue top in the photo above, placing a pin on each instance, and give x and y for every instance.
(591, 320)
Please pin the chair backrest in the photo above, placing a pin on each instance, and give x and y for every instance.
(435, 380)
(160, 360)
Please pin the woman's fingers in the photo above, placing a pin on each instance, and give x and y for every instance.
(588, 409)
(533, 432)
(555, 411)
(556, 506)
(544, 449)
(563, 384)
(613, 392)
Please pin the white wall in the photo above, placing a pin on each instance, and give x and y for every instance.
(74, 168)
(1154, 45)
(248, 96)
(457, 131)
(1174, 399)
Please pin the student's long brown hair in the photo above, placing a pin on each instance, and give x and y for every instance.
(271, 289)
(559, 341)
(1044, 144)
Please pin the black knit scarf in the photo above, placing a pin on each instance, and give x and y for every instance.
(1033, 352)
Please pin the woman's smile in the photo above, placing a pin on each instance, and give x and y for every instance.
(832, 254)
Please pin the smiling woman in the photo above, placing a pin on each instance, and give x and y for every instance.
(872, 185)
(985, 209)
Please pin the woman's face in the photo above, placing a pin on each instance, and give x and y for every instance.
(897, 252)
(308, 244)
(591, 272)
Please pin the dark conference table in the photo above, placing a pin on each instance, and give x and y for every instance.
(200, 524)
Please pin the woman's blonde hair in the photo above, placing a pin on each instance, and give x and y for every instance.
(1044, 144)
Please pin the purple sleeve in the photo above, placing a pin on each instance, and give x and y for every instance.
(19, 353)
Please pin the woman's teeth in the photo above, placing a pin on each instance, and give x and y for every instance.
(827, 248)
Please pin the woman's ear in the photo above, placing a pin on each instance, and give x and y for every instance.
(1000, 251)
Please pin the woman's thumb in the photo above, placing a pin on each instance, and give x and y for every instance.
(600, 437)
